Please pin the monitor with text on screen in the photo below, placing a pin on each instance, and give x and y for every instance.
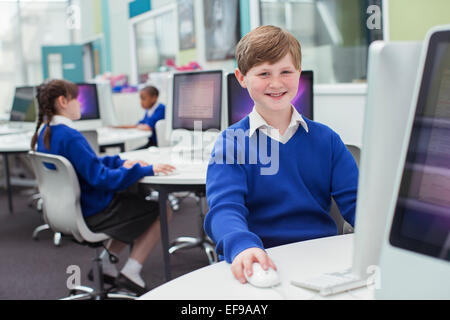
(240, 104)
(197, 96)
(89, 107)
(24, 105)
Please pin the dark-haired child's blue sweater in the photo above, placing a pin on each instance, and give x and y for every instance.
(252, 209)
(99, 177)
(151, 120)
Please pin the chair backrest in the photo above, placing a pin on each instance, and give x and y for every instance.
(60, 191)
(161, 137)
(342, 225)
(355, 151)
(92, 138)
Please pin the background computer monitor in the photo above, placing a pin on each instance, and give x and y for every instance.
(105, 103)
(197, 96)
(415, 260)
(89, 105)
(392, 70)
(24, 105)
(240, 104)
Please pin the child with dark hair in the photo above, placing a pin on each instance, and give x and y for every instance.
(155, 111)
(106, 205)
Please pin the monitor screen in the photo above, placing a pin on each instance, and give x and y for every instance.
(421, 220)
(197, 96)
(24, 105)
(88, 98)
(240, 104)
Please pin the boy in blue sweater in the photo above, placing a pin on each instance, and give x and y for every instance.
(126, 217)
(149, 101)
(272, 175)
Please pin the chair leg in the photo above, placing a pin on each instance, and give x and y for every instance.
(202, 241)
(98, 292)
(210, 252)
(39, 229)
(57, 239)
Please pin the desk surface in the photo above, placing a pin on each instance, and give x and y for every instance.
(296, 261)
(188, 171)
(20, 142)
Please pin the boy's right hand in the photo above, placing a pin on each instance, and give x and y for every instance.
(243, 263)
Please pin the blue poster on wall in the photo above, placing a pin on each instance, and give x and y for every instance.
(137, 7)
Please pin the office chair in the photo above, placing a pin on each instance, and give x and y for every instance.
(60, 191)
(160, 128)
(92, 138)
(186, 242)
(343, 226)
(203, 241)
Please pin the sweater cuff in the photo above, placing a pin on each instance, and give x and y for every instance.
(149, 170)
(238, 242)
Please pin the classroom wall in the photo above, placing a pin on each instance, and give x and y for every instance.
(342, 107)
(120, 38)
(411, 19)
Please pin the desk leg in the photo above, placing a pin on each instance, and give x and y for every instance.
(8, 183)
(164, 232)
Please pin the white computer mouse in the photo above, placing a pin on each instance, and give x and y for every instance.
(263, 278)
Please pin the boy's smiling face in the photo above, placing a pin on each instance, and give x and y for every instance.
(271, 86)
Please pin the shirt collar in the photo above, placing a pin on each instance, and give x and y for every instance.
(153, 108)
(57, 119)
(257, 121)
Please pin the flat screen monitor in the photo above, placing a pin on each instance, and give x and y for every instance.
(422, 213)
(197, 96)
(415, 258)
(388, 105)
(240, 104)
(88, 98)
(24, 105)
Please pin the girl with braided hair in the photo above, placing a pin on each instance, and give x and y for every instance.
(106, 204)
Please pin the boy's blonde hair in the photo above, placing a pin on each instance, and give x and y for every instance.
(267, 44)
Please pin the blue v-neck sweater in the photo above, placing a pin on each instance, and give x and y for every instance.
(99, 177)
(157, 115)
(250, 208)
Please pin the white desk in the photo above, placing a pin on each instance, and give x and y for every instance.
(191, 176)
(129, 138)
(20, 143)
(298, 261)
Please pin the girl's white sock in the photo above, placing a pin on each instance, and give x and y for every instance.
(132, 270)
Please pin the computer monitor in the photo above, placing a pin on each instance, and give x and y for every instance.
(193, 114)
(240, 104)
(415, 260)
(197, 96)
(24, 106)
(392, 70)
(89, 105)
(106, 104)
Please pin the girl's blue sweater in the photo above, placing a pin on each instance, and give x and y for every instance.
(99, 177)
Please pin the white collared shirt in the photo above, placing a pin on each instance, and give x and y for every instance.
(258, 122)
(57, 119)
(153, 108)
